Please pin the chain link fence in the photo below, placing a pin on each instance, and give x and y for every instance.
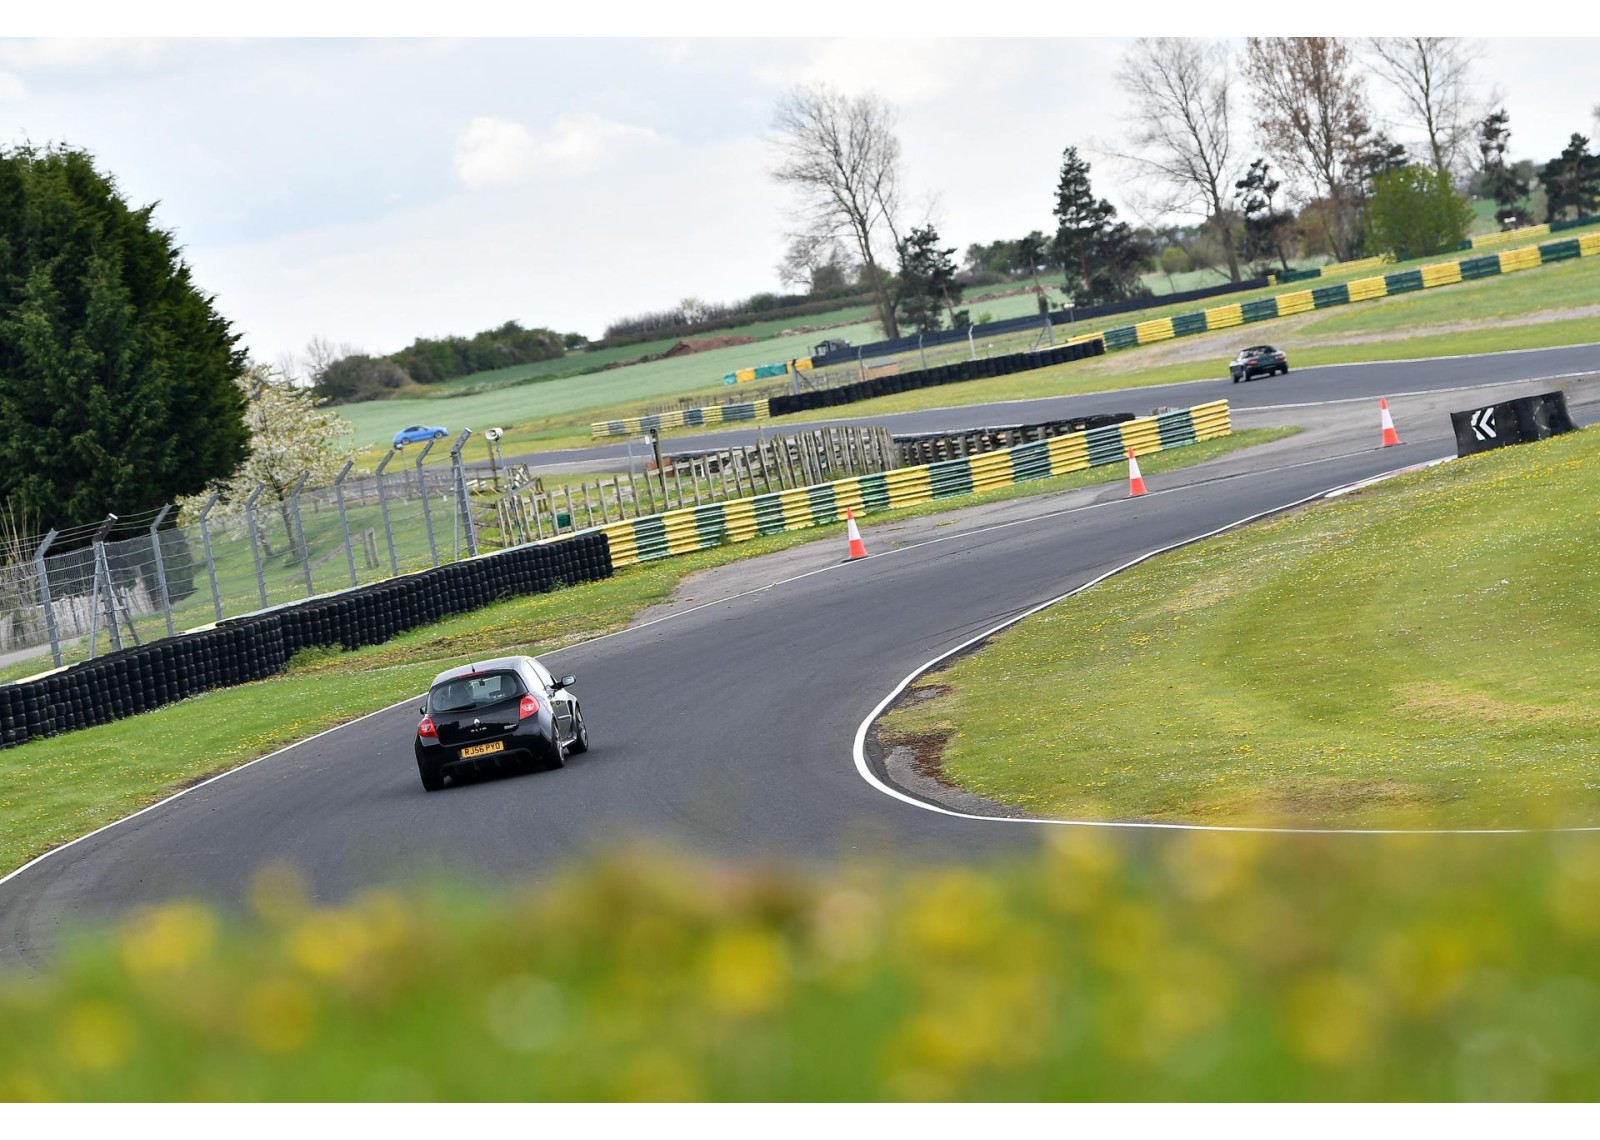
(132, 581)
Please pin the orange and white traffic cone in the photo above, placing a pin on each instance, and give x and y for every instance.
(1390, 436)
(1135, 480)
(858, 549)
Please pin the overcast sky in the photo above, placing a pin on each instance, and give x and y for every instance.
(371, 191)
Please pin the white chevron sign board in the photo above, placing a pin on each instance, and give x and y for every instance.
(1522, 420)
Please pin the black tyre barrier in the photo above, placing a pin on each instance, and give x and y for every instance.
(239, 650)
(935, 447)
(931, 377)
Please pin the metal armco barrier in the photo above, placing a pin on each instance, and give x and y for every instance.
(137, 679)
(1516, 421)
(698, 528)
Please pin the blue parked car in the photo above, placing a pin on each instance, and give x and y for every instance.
(416, 433)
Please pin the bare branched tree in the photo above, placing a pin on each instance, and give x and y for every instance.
(1311, 116)
(319, 353)
(1179, 111)
(841, 156)
(1433, 76)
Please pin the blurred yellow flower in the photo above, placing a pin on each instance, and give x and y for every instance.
(1331, 1018)
(167, 939)
(94, 1037)
(743, 971)
(278, 1015)
(656, 1075)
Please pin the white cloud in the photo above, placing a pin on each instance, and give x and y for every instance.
(908, 72)
(66, 53)
(501, 152)
(11, 87)
(568, 252)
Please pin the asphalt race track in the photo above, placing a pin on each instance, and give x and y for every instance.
(1325, 382)
(724, 725)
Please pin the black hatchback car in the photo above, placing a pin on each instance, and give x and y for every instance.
(1262, 360)
(495, 715)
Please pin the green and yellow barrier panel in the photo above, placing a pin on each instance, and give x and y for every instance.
(768, 371)
(683, 417)
(738, 520)
(1350, 292)
(1522, 233)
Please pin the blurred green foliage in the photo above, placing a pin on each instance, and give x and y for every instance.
(1109, 966)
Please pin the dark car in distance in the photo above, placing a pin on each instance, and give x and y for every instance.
(502, 714)
(1262, 360)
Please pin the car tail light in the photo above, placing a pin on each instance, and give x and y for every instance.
(426, 729)
(528, 707)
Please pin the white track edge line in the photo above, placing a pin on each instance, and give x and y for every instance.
(864, 770)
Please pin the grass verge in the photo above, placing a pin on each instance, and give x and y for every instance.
(1420, 654)
(56, 789)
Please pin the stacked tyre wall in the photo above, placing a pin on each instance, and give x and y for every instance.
(141, 678)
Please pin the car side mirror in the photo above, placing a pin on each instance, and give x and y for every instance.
(423, 711)
(565, 681)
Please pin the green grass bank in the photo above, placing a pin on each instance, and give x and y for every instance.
(1418, 654)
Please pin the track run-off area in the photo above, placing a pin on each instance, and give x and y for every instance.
(725, 723)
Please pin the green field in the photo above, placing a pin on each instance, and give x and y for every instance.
(1419, 654)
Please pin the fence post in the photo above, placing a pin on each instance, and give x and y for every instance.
(44, 594)
(463, 504)
(971, 347)
(211, 565)
(300, 532)
(161, 567)
(344, 519)
(255, 540)
(383, 509)
(102, 574)
(427, 514)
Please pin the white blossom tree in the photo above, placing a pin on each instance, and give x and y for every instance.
(290, 434)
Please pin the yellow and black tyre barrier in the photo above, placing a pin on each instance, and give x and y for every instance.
(738, 520)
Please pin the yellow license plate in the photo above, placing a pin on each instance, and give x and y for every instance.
(482, 749)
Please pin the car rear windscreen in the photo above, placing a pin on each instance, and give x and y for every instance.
(464, 694)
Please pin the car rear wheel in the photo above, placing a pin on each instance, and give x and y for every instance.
(580, 735)
(432, 780)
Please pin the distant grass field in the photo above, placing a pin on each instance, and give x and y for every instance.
(1418, 654)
